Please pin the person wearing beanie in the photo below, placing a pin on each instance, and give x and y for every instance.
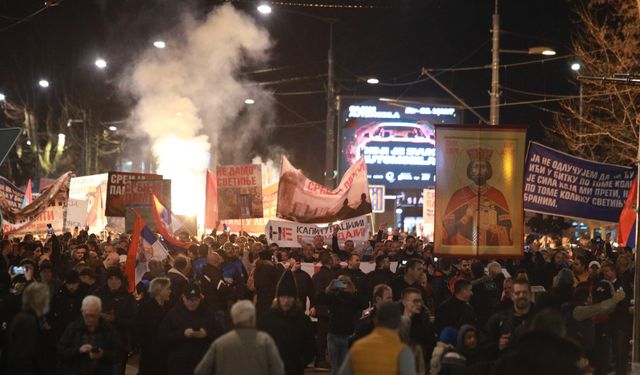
(244, 350)
(187, 330)
(65, 305)
(289, 327)
(118, 309)
(447, 341)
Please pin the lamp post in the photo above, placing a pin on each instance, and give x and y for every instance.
(494, 116)
(330, 164)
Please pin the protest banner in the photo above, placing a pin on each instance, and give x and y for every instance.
(428, 214)
(256, 225)
(10, 195)
(239, 191)
(305, 201)
(289, 234)
(53, 215)
(564, 185)
(55, 195)
(479, 188)
(89, 192)
(141, 199)
(120, 191)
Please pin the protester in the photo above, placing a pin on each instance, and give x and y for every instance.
(26, 344)
(345, 305)
(289, 327)
(381, 275)
(416, 329)
(504, 327)
(89, 345)
(447, 342)
(304, 283)
(119, 309)
(381, 293)
(265, 276)
(413, 271)
(321, 281)
(457, 311)
(244, 350)
(148, 318)
(381, 352)
(187, 330)
(179, 279)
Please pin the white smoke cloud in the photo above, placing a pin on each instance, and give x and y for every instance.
(191, 100)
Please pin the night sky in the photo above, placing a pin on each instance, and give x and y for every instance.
(391, 40)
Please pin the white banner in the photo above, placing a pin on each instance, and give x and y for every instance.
(53, 215)
(289, 234)
(305, 201)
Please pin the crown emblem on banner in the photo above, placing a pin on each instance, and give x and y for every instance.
(479, 154)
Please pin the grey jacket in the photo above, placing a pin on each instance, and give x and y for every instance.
(244, 351)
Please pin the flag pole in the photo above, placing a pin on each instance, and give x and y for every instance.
(635, 357)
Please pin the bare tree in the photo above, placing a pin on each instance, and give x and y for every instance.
(606, 42)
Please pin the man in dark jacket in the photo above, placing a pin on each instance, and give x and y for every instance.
(355, 273)
(119, 309)
(89, 345)
(265, 278)
(217, 294)
(149, 316)
(188, 329)
(381, 275)
(289, 327)
(65, 305)
(179, 280)
(457, 311)
(321, 280)
(486, 297)
(413, 272)
(303, 281)
(381, 293)
(26, 345)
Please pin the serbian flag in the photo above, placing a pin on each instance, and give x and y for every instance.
(167, 223)
(211, 202)
(627, 222)
(144, 246)
(28, 197)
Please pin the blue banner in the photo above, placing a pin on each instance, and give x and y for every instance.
(560, 184)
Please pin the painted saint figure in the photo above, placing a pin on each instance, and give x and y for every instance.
(478, 214)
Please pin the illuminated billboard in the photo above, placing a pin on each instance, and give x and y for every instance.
(396, 138)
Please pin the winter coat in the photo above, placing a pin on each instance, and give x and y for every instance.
(153, 351)
(345, 308)
(217, 293)
(321, 281)
(76, 335)
(266, 277)
(454, 313)
(179, 284)
(65, 309)
(123, 306)
(26, 346)
(245, 351)
(293, 335)
(305, 287)
(185, 353)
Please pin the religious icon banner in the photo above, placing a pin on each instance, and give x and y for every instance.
(479, 190)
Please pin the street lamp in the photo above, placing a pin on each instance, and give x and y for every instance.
(159, 44)
(249, 101)
(43, 83)
(575, 67)
(113, 128)
(2, 97)
(264, 9)
(373, 81)
(330, 165)
(101, 63)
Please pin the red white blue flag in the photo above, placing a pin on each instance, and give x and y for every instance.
(167, 223)
(627, 222)
(144, 246)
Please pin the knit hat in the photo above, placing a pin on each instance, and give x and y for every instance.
(565, 276)
(287, 285)
(449, 335)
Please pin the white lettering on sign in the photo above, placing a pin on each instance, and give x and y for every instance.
(435, 111)
(370, 111)
(400, 155)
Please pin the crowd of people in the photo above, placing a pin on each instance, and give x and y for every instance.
(233, 304)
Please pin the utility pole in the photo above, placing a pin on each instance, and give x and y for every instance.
(494, 117)
(331, 115)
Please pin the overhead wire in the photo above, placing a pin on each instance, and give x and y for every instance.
(27, 17)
